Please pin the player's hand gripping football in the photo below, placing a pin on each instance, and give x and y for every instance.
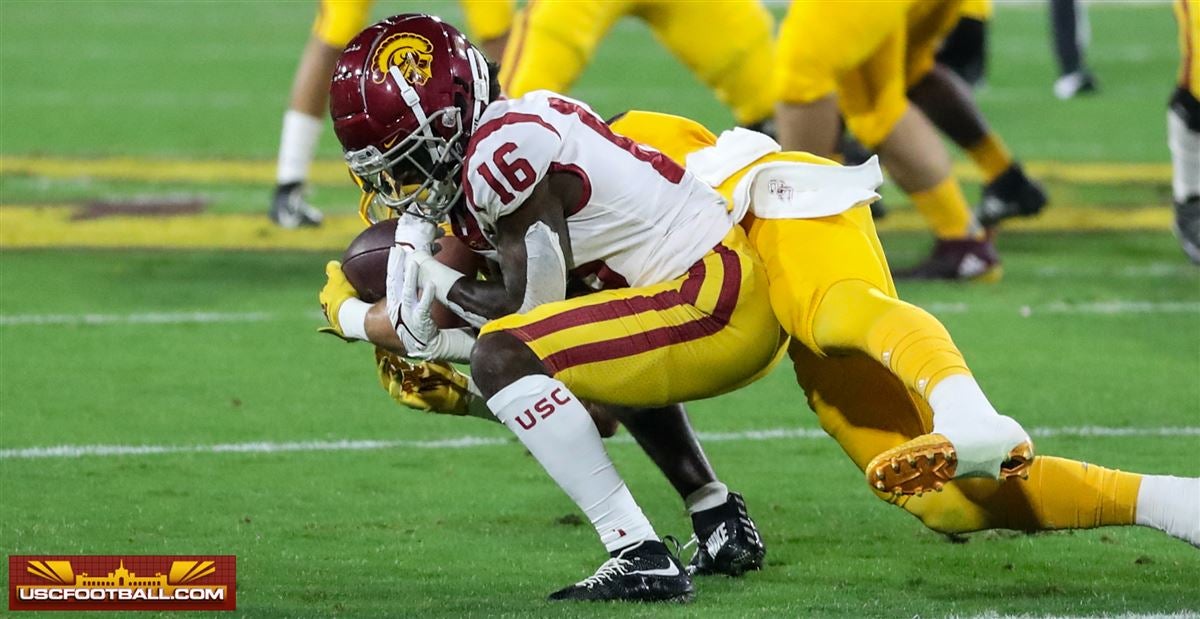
(416, 313)
(420, 334)
(336, 291)
(426, 386)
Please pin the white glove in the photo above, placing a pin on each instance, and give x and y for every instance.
(420, 334)
(441, 279)
(417, 328)
(412, 233)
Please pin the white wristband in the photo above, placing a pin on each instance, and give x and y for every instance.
(443, 278)
(440, 276)
(452, 345)
(352, 317)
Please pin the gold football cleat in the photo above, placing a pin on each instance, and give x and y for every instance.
(928, 462)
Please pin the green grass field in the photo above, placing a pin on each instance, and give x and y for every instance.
(222, 423)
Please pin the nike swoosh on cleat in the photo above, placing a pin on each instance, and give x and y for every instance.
(673, 570)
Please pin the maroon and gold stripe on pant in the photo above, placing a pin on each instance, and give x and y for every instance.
(698, 335)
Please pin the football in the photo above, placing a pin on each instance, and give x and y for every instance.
(365, 260)
(365, 264)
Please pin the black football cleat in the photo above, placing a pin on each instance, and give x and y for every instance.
(1187, 227)
(643, 572)
(1012, 194)
(290, 210)
(726, 539)
(957, 259)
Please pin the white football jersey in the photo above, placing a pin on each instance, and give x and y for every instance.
(642, 219)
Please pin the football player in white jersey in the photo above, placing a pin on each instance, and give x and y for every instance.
(677, 307)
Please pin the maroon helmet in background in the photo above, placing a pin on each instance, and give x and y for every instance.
(406, 95)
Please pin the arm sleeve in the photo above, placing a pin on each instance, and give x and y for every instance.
(506, 164)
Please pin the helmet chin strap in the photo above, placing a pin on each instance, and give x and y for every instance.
(413, 100)
(481, 82)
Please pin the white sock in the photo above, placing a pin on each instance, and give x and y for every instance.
(558, 431)
(981, 436)
(1170, 504)
(297, 146)
(1185, 157)
(710, 495)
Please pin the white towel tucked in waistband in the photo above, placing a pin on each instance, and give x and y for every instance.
(790, 189)
(783, 189)
(734, 150)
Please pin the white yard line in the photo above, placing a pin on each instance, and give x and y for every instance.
(1109, 307)
(1183, 614)
(1150, 270)
(467, 442)
(162, 318)
(1118, 307)
(1112, 307)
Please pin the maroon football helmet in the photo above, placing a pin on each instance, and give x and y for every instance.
(406, 95)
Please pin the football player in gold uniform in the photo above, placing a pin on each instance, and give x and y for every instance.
(867, 60)
(884, 377)
(887, 382)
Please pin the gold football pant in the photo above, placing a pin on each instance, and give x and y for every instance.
(725, 43)
(979, 10)
(834, 266)
(338, 21)
(705, 333)
(868, 52)
(488, 19)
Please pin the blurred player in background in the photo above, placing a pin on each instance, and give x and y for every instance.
(1071, 32)
(868, 60)
(337, 22)
(964, 50)
(1183, 130)
(727, 45)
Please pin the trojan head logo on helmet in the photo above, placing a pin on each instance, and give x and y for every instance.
(412, 53)
(406, 95)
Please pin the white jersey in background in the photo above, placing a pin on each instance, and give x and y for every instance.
(642, 219)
